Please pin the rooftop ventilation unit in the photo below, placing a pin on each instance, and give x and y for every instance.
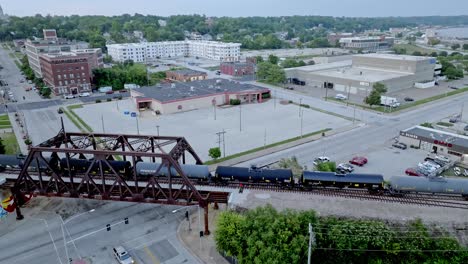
(192, 88)
(218, 81)
(173, 85)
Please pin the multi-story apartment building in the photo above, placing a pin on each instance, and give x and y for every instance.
(50, 44)
(144, 52)
(66, 73)
(370, 44)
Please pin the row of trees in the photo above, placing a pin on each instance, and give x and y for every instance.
(264, 235)
(121, 74)
(311, 30)
(29, 75)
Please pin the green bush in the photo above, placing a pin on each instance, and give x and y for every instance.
(109, 99)
(427, 124)
(234, 101)
(98, 101)
(264, 235)
(305, 105)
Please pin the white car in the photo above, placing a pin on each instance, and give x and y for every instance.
(321, 159)
(122, 255)
(84, 94)
(341, 97)
(68, 96)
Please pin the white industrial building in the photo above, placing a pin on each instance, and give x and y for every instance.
(369, 44)
(149, 51)
(357, 76)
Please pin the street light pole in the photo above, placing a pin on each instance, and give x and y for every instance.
(302, 118)
(300, 104)
(138, 127)
(102, 121)
(240, 117)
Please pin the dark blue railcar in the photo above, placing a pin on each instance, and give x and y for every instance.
(253, 174)
(331, 179)
(147, 169)
(82, 165)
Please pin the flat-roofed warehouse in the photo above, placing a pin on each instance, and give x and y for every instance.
(397, 72)
(180, 97)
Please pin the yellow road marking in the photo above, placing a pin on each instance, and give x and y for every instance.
(152, 256)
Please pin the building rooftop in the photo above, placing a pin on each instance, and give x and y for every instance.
(393, 57)
(182, 91)
(455, 139)
(362, 74)
(321, 67)
(189, 72)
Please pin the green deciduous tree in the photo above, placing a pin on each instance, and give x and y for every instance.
(455, 46)
(465, 46)
(214, 153)
(271, 73)
(374, 97)
(273, 59)
(326, 166)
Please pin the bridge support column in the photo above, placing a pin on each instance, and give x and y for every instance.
(207, 231)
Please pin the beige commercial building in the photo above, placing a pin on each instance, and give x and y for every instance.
(181, 97)
(357, 76)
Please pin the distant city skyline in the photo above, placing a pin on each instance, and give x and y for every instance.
(240, 8)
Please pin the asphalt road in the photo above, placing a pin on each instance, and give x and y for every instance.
(361, 141)
(150, 236)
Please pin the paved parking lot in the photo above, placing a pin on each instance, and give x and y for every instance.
(415, 93)
(261, 124)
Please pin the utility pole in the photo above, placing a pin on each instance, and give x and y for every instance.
(222, 140)
(157, 127)
(311, 243)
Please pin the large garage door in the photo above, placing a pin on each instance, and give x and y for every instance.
(340, 87)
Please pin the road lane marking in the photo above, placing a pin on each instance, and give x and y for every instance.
(152, 256)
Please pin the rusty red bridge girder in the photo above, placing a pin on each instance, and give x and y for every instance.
(112, 184)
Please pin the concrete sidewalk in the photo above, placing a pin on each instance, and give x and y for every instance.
(203, 248)
(281, 147)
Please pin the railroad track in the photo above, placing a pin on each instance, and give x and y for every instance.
(422, 199)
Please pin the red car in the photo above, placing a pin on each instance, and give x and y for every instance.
(412, 172)
(109, 92)
(359, 161)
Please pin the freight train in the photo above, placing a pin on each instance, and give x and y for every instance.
(283, 178)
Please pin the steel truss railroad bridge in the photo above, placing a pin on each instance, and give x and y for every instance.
(111, 184)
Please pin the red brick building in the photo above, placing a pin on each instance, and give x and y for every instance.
(66, 73)
(186, 75)
(237, 68)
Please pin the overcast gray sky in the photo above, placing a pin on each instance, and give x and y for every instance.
(355, 8)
